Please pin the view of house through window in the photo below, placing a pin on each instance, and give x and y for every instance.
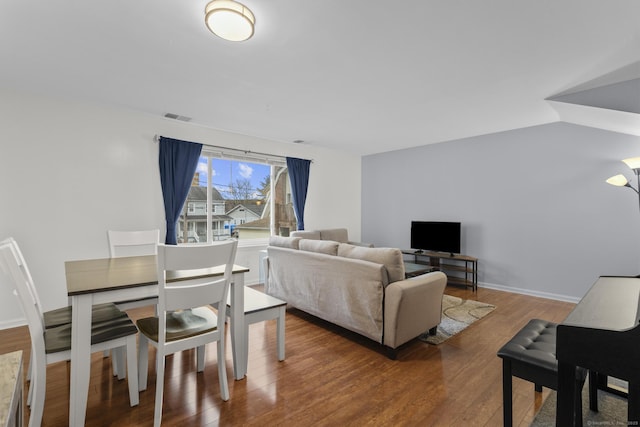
(246, 199)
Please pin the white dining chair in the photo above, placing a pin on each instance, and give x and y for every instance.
(62, 316)
(133, 243)
(54, 344)
(125, 244)
(185, 320)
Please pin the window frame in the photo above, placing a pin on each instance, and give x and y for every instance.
(272, 161)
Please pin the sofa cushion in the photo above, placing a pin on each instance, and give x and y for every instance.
(285, 242)
(314, 235)
(321, 246)
(391, 258)
(336, 234)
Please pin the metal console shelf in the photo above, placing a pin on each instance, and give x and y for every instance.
(460, 269)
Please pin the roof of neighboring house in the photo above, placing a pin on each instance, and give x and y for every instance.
(204, 217)
(262, 224)
(198, 193)
(252, 205)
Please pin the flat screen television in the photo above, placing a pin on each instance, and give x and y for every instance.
(436, 236)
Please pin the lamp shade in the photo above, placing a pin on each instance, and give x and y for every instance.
(633, 162)
(618, 180)
(229, 20)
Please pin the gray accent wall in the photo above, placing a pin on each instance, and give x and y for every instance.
(533, 202)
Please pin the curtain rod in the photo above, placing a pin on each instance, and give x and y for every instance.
(156, 138)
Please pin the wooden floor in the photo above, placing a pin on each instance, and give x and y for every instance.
(330, 377)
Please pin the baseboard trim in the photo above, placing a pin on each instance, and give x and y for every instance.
(547, 295)
(13, 323)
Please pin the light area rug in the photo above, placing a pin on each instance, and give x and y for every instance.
(457, 314)
(612, 410)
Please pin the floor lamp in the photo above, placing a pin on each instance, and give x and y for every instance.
(621, 180)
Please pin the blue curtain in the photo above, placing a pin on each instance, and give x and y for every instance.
(178, 162)
(299, 176)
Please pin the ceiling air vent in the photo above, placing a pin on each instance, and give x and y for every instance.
(177, 117)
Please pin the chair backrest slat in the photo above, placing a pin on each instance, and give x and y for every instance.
(15, 274)
(190, 294)
(133, 243)
(199, 291)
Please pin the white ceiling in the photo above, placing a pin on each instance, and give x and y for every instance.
(364, 76)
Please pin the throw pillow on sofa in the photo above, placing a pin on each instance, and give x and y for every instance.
(391, 258)
(284, 242)
(321, 246)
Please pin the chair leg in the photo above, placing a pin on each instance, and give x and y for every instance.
(143, 362)
(507, 408)
(29, 370)
(157, 414)
(200, 358)
(222, 370)
(114, 363)
(117, 358)
(132, 371)
(30, 393)
(38, 385)
(30, 377)
(280, 327)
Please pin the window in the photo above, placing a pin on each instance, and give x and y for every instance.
(248, 199)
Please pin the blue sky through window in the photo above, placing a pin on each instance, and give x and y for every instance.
(229, 171)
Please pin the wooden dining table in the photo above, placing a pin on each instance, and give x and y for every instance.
(95, 281)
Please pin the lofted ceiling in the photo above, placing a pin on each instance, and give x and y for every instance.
(362, 76)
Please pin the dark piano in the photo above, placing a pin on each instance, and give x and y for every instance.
(601, 334)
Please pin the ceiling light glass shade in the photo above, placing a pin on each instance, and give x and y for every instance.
(633, 162)
(229, 20)
(618, 180)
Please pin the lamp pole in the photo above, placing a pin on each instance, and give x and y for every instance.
(637, 172)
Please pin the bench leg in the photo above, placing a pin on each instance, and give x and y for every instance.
(507, 404)
(633, 409)
(593, 391)
(577, 409)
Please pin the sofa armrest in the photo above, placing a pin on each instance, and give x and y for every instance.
(412, 307)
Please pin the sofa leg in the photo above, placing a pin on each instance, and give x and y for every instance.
(391, 353)
(433, 330)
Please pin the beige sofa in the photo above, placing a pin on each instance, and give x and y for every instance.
(340, 235)
(358, 288)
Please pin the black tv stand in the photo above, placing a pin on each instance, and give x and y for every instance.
(460, 269)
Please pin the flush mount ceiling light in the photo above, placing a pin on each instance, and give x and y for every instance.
(229, 20)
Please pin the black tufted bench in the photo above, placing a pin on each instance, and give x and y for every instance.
(531, 355)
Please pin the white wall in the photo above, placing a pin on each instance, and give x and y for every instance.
(69, 171)
(533, 202)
